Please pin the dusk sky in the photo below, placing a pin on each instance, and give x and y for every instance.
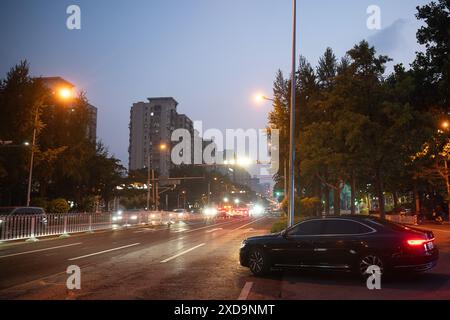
(211, 56)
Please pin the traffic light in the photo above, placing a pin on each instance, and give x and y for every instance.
(279, 193)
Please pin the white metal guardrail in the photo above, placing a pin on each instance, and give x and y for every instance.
(34, 226)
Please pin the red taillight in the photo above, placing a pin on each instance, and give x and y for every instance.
(417, 242)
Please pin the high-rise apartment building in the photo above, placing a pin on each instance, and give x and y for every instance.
(151, 127)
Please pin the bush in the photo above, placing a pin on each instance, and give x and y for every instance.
(58, 206)
(307, 207)
(281, 224)
(40, 202)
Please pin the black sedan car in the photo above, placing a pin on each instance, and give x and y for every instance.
(350, 243)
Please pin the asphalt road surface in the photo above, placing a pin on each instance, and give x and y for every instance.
(189, 260)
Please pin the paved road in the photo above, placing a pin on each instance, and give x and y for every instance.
(195, 260)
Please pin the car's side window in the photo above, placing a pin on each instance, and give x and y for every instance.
(344, 227)
(308, 228)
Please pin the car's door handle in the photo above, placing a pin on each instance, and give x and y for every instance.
(320, 249)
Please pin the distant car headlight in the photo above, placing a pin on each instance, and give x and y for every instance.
(180, 215)
(210, 211)
(134, 217)
(117, 218)
(153, 216)
(1, 221)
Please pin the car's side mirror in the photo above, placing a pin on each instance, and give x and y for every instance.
(284, 234)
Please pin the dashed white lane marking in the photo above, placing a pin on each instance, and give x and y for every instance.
(247, 224)
(181, 230)
(145, 230)
(215, 229)
(105, 251)
(245, 291)
(40, 250)
(210, 226)
(181, 253)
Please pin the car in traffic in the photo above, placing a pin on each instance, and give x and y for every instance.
(11, 215)
(180, 213)
(349, 244)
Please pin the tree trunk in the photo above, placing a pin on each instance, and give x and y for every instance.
(319, 196)
(379, 182)
(337, 200)
(327, 195)
(327, 200)
(416, 198)
(353, 195)
(395, 196)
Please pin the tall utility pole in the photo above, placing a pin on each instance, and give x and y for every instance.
(447, 181)
(285, 179)
(157, 196)
(291, 192)
(33, 146)
(149, 181)
(209, 191)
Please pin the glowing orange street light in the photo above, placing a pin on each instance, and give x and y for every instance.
(162, 146)
(65, 93)
(445, 125)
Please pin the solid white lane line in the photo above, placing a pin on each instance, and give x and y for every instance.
(215, 229)
(105, 251)
(247, 224)
(245, 291)
(39, 250)
(181, 253)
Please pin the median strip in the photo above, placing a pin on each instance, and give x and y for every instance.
(39, 250)
(105, 251)
(181, 253)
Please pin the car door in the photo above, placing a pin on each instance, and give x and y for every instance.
(338, 244)
(296, 247)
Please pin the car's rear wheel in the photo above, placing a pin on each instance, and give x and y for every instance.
(367, 261)
(258, 262)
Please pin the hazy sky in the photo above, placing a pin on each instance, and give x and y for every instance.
(210, 55)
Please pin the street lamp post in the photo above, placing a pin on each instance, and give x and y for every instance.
(33, 145)
(291, 192)
(290, 175)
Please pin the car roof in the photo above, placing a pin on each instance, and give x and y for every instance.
(349, 217)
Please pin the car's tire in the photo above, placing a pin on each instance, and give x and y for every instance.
(258, 262)
(367, 260)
